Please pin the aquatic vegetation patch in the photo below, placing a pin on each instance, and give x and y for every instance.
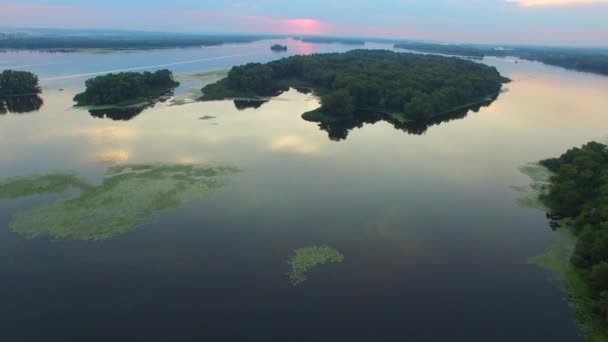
(128, 196)
(307, 258)
(539, 173)
(556, 261)
(556, 258)
(39, 185)
(531, 194)
(207, 117)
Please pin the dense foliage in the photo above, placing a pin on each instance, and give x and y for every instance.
(414, 86)
(114, 89)
(19, 92)
(17, 83)
(589, 60)
(579, 191)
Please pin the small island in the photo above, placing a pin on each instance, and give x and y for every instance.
(576, 196)
(127, 88)
(400, 87)
(19, 92)
(278, 48)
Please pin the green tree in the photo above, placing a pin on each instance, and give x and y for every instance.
(338, 103)
(599, 276)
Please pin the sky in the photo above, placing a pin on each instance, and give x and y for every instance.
(555, 22)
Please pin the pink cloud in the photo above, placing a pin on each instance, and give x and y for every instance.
(262, 24)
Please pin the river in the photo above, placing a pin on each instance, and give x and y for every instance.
(435, 244)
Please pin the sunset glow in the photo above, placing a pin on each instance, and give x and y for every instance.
(518, 21)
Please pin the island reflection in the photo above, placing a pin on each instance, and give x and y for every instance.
(129, 112)
(340, 129)
(117, 114)
(20, 104)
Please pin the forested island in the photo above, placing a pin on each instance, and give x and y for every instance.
(126, 88)
(278, 48)
(581, 59)
(577, 197)
(400, 87)
(19, 92)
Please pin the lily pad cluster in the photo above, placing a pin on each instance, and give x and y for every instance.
(127, 197)
(307, 258)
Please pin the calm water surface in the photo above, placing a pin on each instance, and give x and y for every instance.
(435, 245)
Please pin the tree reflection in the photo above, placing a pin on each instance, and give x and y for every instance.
(127, 113)
(247, 104)
(117, 114)
(20, 104)
(338, 130)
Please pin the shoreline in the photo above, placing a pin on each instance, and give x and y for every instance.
(555, 260)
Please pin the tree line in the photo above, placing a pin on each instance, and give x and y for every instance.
(588, 60)
(579, 191)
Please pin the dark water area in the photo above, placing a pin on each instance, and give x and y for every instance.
(434, 242)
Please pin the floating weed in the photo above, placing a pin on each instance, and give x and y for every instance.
(556, 258)
(531, 194)
(531, 202)
(307, 258)
(556, 261)
(207, 117)
(538, 173)
(39, 185)
(128, 196)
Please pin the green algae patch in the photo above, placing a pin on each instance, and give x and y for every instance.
(207, 117)
(540, 175)
(307, 258)
(556, 261)
(128, 196)
(39, 185)
(531, 194)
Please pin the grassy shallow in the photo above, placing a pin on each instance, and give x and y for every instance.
(556, 258)
(307, 258)
(530, 197)
(128, 196)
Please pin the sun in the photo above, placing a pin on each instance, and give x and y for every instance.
(304, 26)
